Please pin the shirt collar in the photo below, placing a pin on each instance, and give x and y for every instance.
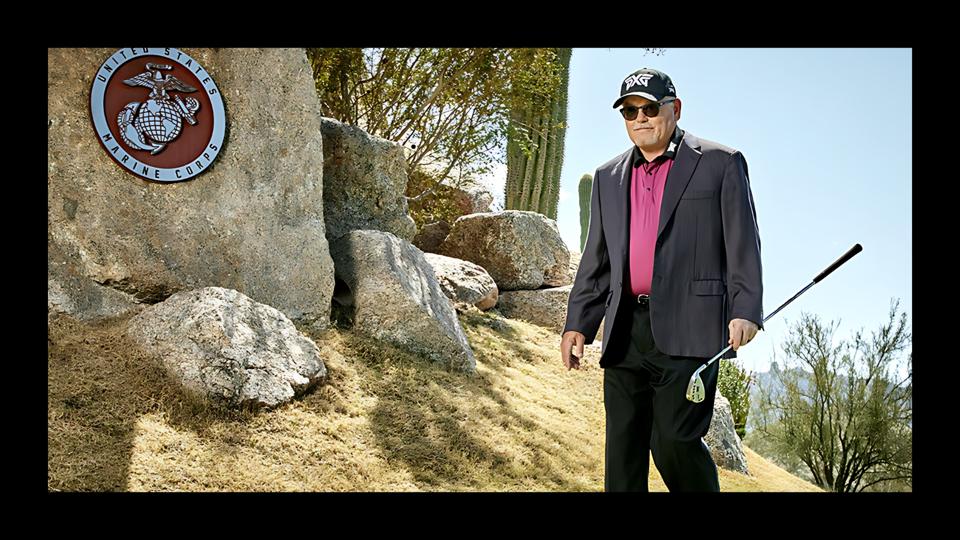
(670, 153)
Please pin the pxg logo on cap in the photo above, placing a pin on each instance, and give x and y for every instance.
(646, 83)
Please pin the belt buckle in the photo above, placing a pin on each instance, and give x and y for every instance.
(643, 299)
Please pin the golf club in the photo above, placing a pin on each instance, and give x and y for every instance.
(695, 389)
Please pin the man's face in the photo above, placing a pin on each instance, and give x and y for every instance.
(652, 133)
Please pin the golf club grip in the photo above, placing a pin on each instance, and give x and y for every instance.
(846, 257)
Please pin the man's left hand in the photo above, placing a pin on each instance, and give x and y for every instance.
(742, 332)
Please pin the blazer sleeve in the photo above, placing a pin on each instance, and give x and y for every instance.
(742, 242)
(587, 302)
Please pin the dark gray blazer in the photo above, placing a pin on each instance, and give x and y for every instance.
(706, 268)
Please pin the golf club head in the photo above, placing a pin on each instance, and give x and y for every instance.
(695, 390)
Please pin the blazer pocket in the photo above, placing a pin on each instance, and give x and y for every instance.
(708, 287)
(694, 194)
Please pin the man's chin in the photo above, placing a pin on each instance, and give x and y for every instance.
(648, 147)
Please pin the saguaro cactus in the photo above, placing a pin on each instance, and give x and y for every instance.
(536, 136)
(586, 186)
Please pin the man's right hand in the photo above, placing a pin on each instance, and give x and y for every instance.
(572, 340)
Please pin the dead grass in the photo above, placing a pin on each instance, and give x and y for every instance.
(384, 421)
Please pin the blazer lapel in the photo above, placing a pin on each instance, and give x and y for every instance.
(680, 174)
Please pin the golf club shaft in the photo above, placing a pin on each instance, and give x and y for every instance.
(846, 257)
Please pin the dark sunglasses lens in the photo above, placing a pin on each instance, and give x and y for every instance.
(650, 110)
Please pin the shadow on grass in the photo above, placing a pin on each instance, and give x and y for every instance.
(426, 418)
(423, 420)
(99, 384)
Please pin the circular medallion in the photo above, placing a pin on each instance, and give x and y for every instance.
(157, 113)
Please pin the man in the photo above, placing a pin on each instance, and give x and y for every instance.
(672, 262)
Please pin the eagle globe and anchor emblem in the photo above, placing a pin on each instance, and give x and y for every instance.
(159, 120)
(158, 113)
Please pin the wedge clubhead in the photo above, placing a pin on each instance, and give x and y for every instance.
(696, 391)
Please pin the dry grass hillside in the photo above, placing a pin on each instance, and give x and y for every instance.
(385, 421)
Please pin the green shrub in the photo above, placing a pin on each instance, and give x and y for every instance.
(734, 383)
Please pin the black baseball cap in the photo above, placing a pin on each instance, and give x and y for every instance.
(646, 83)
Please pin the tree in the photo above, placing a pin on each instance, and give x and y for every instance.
(845, 414)
(447, 107)
(453, 111)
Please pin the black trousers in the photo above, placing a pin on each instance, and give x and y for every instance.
(647, 410)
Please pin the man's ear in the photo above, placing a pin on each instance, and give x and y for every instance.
(676, 109)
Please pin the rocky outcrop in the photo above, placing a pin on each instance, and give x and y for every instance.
(364, 182)
(254, 222)
(463, 282)
(520, 250)
(392, 293)
(229, 349)
(543, 307)
(722, 439)
(431, 235)
(574, 264)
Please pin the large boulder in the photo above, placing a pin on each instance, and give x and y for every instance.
(365, 178)
(543, 307)
(253, 222)
(393, 294)
(521, 250)
(464, 282)
(722, 439)
(222, 345)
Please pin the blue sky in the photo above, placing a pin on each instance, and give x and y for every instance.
(827, 138)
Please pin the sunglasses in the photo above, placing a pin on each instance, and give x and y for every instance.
(650, 110)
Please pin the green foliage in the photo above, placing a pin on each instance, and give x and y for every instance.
(843, 412)
(448, 108)
(457, 112)
(734, 383)
(336, 73)
(585, 188)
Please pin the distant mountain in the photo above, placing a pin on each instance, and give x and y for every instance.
(770, 381)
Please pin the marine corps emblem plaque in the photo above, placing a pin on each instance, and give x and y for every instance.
(157, 113)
